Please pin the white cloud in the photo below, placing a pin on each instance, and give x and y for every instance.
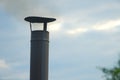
(17, 76)
(3, 64)
(107, 25)
(77, 31)
(103, 26)
(55, 27)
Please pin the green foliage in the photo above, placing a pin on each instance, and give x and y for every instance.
(113, 73)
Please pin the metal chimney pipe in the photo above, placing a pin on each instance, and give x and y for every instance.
(39, 55)
(39, 49)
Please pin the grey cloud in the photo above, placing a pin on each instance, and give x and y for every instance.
(22, 8)
(77, 10)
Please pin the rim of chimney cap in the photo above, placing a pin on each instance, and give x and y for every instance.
(35, 19)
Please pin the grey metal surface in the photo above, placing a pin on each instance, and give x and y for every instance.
(39, 55)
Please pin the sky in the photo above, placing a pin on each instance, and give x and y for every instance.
(85, 36)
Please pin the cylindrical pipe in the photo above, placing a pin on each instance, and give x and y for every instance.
(39, 55)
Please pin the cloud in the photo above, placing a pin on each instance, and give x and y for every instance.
(17, 76)
(23, 8)
(8, 71)
(77, 31)
(27, 7)
(108, 25)
(4, 69)
(102, 26)
(57, 26)
(3, 64)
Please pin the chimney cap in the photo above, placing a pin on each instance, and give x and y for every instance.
(35, 19)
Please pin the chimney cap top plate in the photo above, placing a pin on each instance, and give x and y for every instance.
(35, 19)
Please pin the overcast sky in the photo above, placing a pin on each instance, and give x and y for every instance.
(85, 36)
